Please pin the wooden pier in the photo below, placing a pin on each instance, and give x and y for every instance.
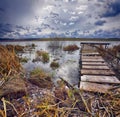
(95, 73)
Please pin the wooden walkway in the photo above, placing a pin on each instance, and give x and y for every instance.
(95, 74)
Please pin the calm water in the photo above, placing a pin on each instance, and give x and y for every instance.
(69, 67)
(68, 61)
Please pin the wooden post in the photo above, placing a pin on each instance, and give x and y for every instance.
(80, 64)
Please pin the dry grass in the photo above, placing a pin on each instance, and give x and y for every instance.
(44, 56)
(71, 48)
(41, 79)
(66, 102)
(9, 62)
(38, 72)
(16, 48)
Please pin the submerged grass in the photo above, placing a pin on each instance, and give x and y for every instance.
(23, 60)
(44, 56)
(54, 65)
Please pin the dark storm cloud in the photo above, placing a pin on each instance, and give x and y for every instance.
(2, 10)
(47, 18)
(17, 10)
(112, 10)
(100, 22)
(38, 29)
(6, 27)
(109, 34)
(53, 15)
(75, 33)
(20, 27)
(101, 0)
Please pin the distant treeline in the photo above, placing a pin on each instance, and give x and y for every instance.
(62, 39)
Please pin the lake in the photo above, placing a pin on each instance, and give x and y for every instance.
(68, 61)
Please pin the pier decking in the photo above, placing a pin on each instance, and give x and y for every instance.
(95, 73)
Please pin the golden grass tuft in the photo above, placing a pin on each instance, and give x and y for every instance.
(71, 48)
(41, 78)
(8, 61)
(16, 48)
(38, 72)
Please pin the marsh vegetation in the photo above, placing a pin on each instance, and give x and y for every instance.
(54, 65)
(47, 86)
(70, 48)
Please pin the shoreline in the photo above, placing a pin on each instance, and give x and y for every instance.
(61, 39)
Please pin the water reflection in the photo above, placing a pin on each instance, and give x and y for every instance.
(68, 61)
(55, 48)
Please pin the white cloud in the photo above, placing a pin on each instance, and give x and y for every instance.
(74, 18)
(80, 12)
(65, 10)
(66, 0)
(58, 16)
(48, 8)
(71, 23)
(81, 8)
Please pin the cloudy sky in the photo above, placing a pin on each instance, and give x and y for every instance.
(59, 18)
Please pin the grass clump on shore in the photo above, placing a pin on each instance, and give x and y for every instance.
(16, 48)
(38, 72)
(40, 78)
(44, 56)
(11, 83)
(8, 61)
(71, 48)
(54, 65)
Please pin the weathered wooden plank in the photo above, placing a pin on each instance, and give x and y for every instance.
(90, 54)
(100, 79)
(94, 87)
(89, 51)
(97, 72)
(94, 62)
(94, 43)
(94, 67)
(93, 59)
(96, 75)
